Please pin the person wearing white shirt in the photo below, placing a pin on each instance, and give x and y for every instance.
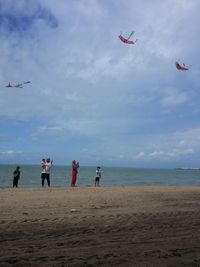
(46, 169)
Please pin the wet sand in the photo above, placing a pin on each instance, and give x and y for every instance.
(120, 226)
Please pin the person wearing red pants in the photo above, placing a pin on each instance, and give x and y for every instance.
(75, 166)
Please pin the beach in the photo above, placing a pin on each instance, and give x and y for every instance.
(103, 226)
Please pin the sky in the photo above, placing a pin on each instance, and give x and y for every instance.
(93, 98)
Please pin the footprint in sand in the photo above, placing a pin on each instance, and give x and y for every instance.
(34, 220)
(60, 244)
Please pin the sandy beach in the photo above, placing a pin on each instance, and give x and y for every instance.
(118, 226)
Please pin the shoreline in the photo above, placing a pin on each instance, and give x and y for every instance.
(100, 226)
(91, 186)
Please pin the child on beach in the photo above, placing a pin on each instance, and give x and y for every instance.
(16, 176)
(98, 176)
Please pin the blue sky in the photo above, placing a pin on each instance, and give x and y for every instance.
(91, 97)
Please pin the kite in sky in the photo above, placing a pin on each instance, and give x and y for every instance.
(181, 66)
(19, 85)
(127, 40)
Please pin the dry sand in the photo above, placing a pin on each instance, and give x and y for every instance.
(119, 226)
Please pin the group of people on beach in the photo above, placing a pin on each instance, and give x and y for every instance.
(46, 168)
(47, 164)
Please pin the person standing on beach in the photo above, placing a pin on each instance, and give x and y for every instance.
(16, 176)
(43, 173)
(75, 166)
(49, 164)
(98, 176)
(46, 169)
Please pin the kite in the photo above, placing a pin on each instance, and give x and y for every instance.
(19, 85)
(181, 66)
(127, 40)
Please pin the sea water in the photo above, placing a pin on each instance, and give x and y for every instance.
(111, 176)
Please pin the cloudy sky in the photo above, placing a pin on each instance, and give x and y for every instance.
(93, 98)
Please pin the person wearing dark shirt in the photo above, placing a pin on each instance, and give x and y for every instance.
(16, 176)
(98, 176)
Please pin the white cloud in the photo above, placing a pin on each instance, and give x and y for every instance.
(52, 130)
(10, 152)
(177, 145)
(141, 154)
(174, 97)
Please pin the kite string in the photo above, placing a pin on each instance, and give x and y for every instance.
(130, 35)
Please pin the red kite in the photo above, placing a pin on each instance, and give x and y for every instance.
(19, 85)
(127, 40)
(181, 66)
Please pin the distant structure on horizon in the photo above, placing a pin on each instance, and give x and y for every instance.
(187, 168)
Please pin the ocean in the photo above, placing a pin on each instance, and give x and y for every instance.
(111, 176)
